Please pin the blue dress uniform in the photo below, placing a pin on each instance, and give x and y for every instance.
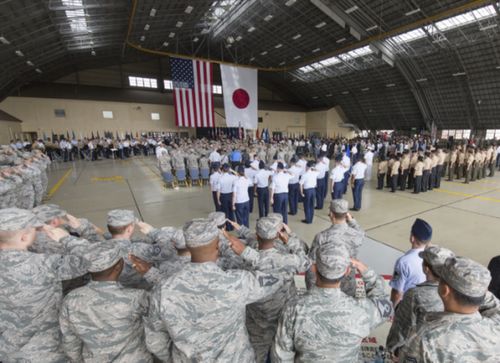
(358, 174)
(214, 180)
(241, 200)
(325, 161)
(308, 183)
(225, 189)
(261, 181)
(250, 174)
(321, 169)
(294, 188)
(346, 163)
(337, 177)
(279, 187)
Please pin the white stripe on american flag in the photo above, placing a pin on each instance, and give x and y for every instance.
(190, 106)
(210, 98)
(184, 108)
(202, 95)
(196, 96)
(178, 108)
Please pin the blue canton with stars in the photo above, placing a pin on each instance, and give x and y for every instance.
(182, 73)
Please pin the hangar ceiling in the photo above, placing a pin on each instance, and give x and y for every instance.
(387, 63)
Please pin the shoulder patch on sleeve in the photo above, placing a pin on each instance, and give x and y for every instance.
(267, 280)
(384, 307)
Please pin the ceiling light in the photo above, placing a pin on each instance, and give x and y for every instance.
(390, 85)
(238, 38)
(195, 39)
(278, 45)
(152, 12)
(230, 40)
(371, 28)
(320, 25)
(251, 29)
(345, 92)
(316, 50)
(179, 24)
(269, 17)
(497, 67)
(491, 26)
(296, 57)
(282, 64)
(205, 31)
(328, 95)
(252, 59)
(365, 89)
(228, 45)
(30, 63)
(171, 35)
(146, 27)
(421, 79)
(38, 70)
(414, 11)
(165, 44)
(295, 37)
(264, 52)
(143, 38)
(315, 97)
(341, 40)
(188, 10)
(458, 74)
(290, 2)
(351, 9)
(92, 52)
(3, 40)
(19, 53)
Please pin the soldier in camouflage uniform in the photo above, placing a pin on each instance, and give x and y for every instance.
(31, 289)
(468, 329)
(419, 300)
(262, 316)
(198, 314)
(344, 230)
(326, 325)
(89, 332)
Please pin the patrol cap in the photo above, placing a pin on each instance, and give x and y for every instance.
(218, 217)
(276, 216)
(102, 256)
(466, 276)
(48, 212)
(120, 217)
(332, 260)
(436, 256)
(16, 219)
(339, 206)
(178, 239)
(200, 232)
(421, 230)
(268, 227)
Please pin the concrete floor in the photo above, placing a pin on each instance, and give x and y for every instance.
(465, 218)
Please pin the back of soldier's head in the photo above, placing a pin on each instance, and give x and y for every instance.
(121, 221)
(17, 228)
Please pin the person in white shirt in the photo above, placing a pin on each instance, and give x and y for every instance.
(250, 172)
(346, 163)
(322, 171)
(498, 157)
(358, 181)
(293, 186)
(279, 191)
(241, 199)
(261, 188)
(369, 164)
(308, 183)
(337, 177)
(159, 150)
(301, 163)
(214, 158)
(214, 180)
(225, 194)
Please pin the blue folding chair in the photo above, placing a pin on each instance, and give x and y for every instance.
(168, 178)
(180, 175)
(205, 174)
(194, 174)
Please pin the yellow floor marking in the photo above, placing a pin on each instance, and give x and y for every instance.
(60, 182)
(114, 178)
(467, 195)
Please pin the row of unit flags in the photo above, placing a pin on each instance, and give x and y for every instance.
(193, 94)
(91, 135)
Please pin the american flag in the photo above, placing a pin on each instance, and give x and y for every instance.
(193, 97)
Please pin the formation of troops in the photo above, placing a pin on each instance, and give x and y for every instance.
(72, 292)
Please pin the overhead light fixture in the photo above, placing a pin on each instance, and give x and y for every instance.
(315, 97)
(92, 53)
(230, 39)
(320, 25)
(371, 28)
(390, 85)
(264, 52)
(251, 29)
(328, 95)
(295, 37)
(351, 9)
(421, 80)
(278, 45)
(205, 31)
(252, 59)
(269, 17)
(229, 45)
(165, 44)
(238, 38)
(195, 39)
(38, 70)
(487, 27)
(345, 92)
(30, 63)
(152, 12)
(298, 57)
(497, 67)
(282, 64)
(19, 53)
(290, 2)
(341, 40)
(143, 38)
(365, 89)
(179, 24)
(3, 40)
(188, 10)
(316, 50)
(171, 35)
(458, 74)
(146, 27)
(414, 11)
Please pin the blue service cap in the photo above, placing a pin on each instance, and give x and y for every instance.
(421, 230)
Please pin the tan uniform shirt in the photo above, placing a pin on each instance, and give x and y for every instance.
(395, 168)
(382, 167)
(427, 163)
(419, 168)
(405, 163)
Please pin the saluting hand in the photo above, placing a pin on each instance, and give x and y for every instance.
(358, 265)
(73, 221)
(236, 245)
(55, 234)
(144, 227)
(235, 225)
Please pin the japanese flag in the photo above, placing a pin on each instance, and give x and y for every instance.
(239, 87)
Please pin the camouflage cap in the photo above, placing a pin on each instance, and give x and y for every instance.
(120, 217)
(332, 260)
(218, 217)
(102, 256)
(268, 227)
(200, 232)
(339, 206)
(277, 216)
(16, 219)
(178, 239)
(48, 212)
(436, 256)
(466, 276)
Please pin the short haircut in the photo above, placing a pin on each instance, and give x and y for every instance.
(431, 269)
(107, 271)
(329, 281)
(117, 230)
(7, 236)
(465, 300)
(339, 215)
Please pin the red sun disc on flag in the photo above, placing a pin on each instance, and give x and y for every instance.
(241, 99)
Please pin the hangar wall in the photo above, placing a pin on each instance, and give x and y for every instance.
(8, 130)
